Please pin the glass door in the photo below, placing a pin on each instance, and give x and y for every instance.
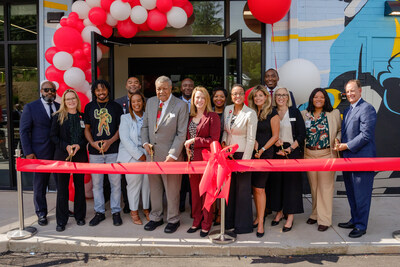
(233, 59)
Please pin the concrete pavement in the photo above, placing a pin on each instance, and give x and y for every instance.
(132, 239)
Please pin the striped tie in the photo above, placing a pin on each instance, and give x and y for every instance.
(159, 113)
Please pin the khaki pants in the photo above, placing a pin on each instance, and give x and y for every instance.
(322, 188)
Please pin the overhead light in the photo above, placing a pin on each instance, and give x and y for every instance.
(392, 8)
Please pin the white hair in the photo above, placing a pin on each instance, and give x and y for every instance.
(164, 79)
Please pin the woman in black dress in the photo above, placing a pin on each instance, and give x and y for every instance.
(266, 136)
(67, 133)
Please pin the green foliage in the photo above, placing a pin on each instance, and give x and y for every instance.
(208, 18)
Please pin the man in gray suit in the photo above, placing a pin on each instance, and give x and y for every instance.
(164, 132)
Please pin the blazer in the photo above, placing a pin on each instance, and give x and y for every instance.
(358, 131)
(123, 101)
(169, 136)
(207, 131)
(61, 138)
(335, 127)
(34, 128)
(243, 131)
(298, 127)
(130, 145)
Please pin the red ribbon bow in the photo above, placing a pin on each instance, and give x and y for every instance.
(216, 178)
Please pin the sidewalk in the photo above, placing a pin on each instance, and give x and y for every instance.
(132, 239)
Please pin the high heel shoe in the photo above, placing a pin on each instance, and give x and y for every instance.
(259, 235)
(287, 229)
(135, 217)
(274, 223)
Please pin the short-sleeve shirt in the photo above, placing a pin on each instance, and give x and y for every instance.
(104, 119)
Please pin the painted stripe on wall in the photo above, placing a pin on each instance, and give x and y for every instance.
(305, 38)
(53, 5)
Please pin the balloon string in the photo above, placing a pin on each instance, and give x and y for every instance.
(273, 45)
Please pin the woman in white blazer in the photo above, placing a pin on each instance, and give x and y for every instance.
(240, 127)
(131, 150)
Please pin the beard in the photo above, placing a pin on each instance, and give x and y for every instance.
(48, 98)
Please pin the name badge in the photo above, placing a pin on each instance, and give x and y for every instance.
(308, 123)
(292, 119)
(172, 115)
(82, 124)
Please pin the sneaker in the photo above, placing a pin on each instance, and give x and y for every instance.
(117, 219)
(97, 219)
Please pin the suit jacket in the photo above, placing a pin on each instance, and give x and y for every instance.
(34, 128)
(243, 131)
(123, 101)
(61, 138)
(169, 136)
(358, 131)
(334, 124)
(207, 131)
(130, 145)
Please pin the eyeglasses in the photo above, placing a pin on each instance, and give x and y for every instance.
(46, 90)
(281, 96)
(70, 99)
(237, 95)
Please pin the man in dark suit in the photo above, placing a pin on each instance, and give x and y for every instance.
(35, 125)
(271, 79)
(132, 85)
(358, 141)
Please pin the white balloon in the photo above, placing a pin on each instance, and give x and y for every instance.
(301, 77)
(87, 22)
(74, 77)
(177, 17)
(87, 31)
(58, 26)
(138, 14)
(120, 10)
(94, 3)
(99, 54)
(89, 95)
(63, 60)
(111, 21)
(148, 4)
(82, 8)
(84, 88)
(56, 84)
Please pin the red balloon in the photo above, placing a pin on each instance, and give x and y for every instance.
(127, 28)
(50, 54)
(79, 25)
(84, 100)
(106, 30)
(144, 27)
(54, 74)
(246, 96)
(164, 5)
(188, 9)
(88, 75)
(104, 49)
(61, 88)
(97, 16)
(269, 11)
(82, 63)
(67, 39)
(179, 3)
(63, 22)
(87, 51)
(134, 3)
(156, 20)
(105, 4)
(73, 15)
(78, 54)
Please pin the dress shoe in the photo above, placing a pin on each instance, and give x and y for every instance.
(152, 225)
(204, 233)
(311, 221)
(60, 228)
(171, 227)
(259, 235)
(117, 221)
(42, 220)
(192, 230)
(147, 214)
(322, 228)
(274, 223)
(80, 222)
(135, 217)
(357, 233)
(287, 229)
(98, 217)
(126, 209)
(347, 225)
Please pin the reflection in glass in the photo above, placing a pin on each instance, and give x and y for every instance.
(23, 19)
(2, 23)
(103, 65)
(251, 63)
(237, 19)
(230, 65)
(4, 155)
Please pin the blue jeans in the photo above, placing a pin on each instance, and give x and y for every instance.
(115, 183)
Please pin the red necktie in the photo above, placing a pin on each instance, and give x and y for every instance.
(271, 92)
(159, 112)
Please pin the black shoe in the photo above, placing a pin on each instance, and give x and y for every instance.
(117, 219)
(152, 225)
(322, 228)
(259, 235)
(287, 229)
(42, 220)
(80, 222)
(203, 234)
(97, 219)
(60, 228)
(274, 223)
(192, 230)
(70, 214)
(311, 221)
(357, 233)
(347, 225)
(126, 209)
(171, 227)
(182, 209)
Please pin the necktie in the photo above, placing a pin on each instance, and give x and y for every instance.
(51, 108)
(271, 92)
(159, 112)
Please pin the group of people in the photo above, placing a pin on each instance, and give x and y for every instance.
(165, 128)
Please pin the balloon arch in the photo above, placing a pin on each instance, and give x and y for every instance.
(70, 57)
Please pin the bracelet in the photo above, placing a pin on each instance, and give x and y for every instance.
(263, 149)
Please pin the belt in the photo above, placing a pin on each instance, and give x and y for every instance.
(317, 148)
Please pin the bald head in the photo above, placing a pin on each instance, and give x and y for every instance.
(187, 87)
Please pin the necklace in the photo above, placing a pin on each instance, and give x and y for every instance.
(100, 106)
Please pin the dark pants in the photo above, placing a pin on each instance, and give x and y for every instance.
(185, 187)
(239, 213)
(359, 191)
(40, 184)
(63, 197)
